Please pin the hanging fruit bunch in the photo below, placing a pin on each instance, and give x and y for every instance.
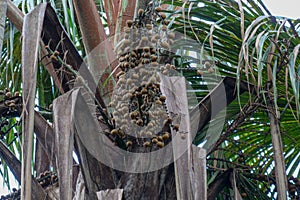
(10, 106)
(139, 111)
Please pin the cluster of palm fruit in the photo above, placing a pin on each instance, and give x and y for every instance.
(9, 107)
(10, 100)
(207, 66)
(45, 179)
(15, 195)
(140, 115)
(144, 39)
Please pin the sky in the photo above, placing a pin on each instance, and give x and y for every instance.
(285, 8)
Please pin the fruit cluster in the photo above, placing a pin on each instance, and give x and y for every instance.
(10, 106)
(144, 40)
(15, 195)
(10, 100)
(139, 111)
(45, 179)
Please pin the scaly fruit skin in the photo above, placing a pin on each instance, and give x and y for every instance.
(129, 143)
(138, 107)
(160, 144)
(8, 95)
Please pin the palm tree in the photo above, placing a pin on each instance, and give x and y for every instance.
(252, 54)
(261, 49)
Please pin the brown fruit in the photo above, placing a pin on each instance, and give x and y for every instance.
(135, 76)
(154, 140)
(160, 144)
(176, 127)
(129, 23)
(55, 53)
(141, 12)
(207, 64)
(126, 42)
(160, 138)
(53, 57)
(158, 102)
(17, 93)
(165, 72)
(153, 58)
(12, 105)
(199, 72)
(146, 49)
(147, 55)
(144, 39)
(211, 70)
(171, 35)
(114, 131)
(148, 133)
(149, 26)
(164, 28)
(169, 120)
(165, 45)
(121, 133)
(100, 118)
(129, 143)
(8, 94)
(162, 98)
(127, 56)
(126, 64)
(133, 115)
(146, 144)
(166, 136)
(129, 81)
(133, 54)
(153, 40)
(144, 91)
(158, 9)
(140, 122)
(168, 66)
(146, 61)
(154, 64)
(156, 36)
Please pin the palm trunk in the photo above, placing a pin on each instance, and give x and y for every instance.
(280, 171)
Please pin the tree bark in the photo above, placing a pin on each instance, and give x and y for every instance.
(280, 171)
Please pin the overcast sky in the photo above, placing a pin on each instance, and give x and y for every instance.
(286, 8)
